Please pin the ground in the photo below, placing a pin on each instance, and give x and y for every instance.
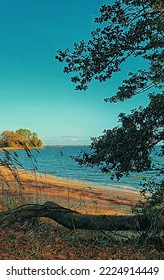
(45, 239)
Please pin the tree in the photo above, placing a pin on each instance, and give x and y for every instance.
(26, 133)
(19, 138)
(128, 29)
(128, 148)
(35, 141)
(30, 138)
(9, 139)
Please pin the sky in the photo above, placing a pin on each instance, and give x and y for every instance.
(34, 92)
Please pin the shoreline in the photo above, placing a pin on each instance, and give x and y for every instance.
(19, 148)
(104, 184)
(89, 184)
(39, 188)
(42, 147)
(92, 184)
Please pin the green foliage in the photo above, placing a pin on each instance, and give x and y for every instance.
(128, 147)
(152, 211)
(25, 133)
(19, 139)
(128, 29)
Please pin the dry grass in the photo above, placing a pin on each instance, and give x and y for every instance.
(47, 240)
(37, 188)
(51, 241)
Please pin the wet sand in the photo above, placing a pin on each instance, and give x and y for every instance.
(25, 187)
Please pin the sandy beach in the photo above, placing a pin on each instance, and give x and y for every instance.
(21, 187)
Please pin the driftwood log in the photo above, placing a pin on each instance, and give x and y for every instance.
(73, 219)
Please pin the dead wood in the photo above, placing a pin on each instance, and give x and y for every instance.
(72, 219)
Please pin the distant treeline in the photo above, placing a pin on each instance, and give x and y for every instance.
(19, 138)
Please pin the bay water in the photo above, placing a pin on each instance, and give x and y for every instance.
(56, 161)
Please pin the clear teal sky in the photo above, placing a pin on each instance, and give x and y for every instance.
(34, 92)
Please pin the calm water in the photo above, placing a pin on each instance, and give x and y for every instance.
(56, 161)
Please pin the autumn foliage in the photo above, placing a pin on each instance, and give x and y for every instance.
(19, 138)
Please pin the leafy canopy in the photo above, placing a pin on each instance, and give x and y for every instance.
(128, 147)
(19, 139)
(128, 29)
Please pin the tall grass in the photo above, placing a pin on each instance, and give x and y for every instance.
(48, 240)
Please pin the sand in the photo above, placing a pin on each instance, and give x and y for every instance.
(38, 188)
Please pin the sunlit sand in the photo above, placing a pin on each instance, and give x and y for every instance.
(38, 188)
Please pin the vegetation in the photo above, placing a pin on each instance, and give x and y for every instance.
(39, 238)
(26, 235)
(19, 139)
(52, 242)
(128, 30)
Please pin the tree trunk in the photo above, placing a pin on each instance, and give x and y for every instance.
(72, 219)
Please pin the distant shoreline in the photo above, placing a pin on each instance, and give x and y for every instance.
(44, 146)
(65, 145)
(13, 149)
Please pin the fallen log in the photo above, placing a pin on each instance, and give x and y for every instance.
(73, 219)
